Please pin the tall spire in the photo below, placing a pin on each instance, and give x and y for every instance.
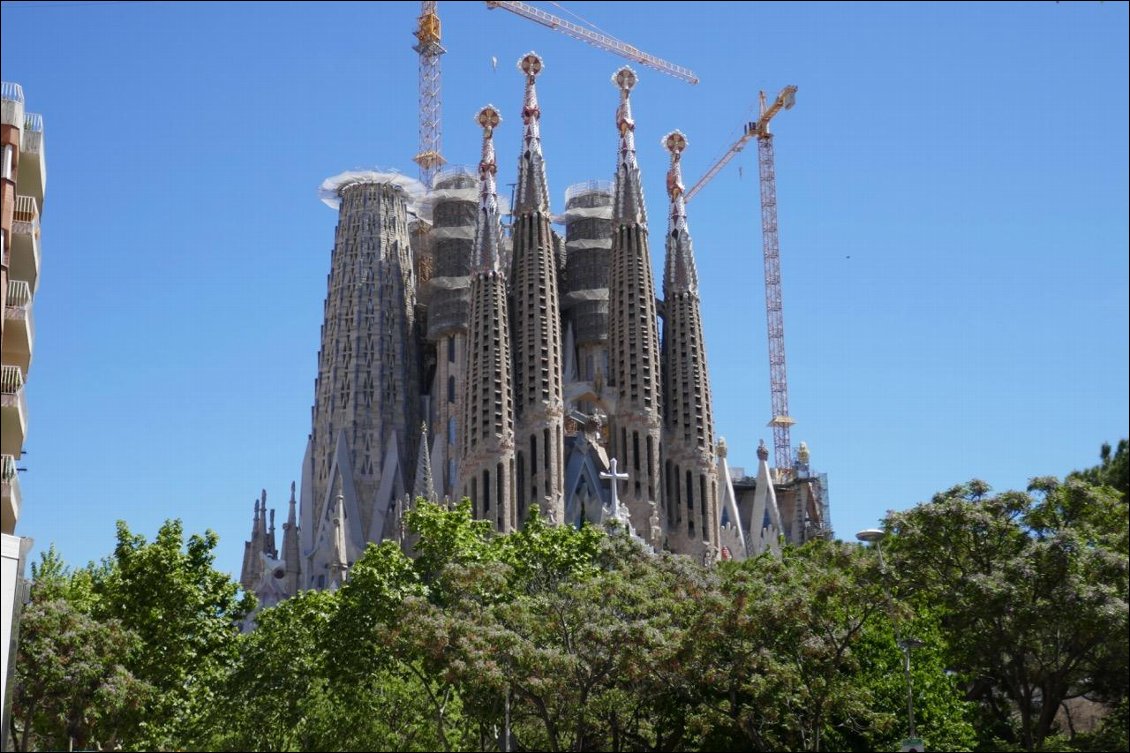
(628, 205)
(488, 232)
(487, 428)
(679, 274)
(533, 191)
(633, 327)
(539, 396)
(692, 505)
(423, 486)
(249, 573)
(290, 551)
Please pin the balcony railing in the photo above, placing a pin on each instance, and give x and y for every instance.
(31, 144)
(9, 468)
(19, 294)
(25, 219)
(11, 91)
(11, 380)
(12, 395)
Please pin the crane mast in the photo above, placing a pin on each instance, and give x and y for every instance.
(781, 422)
(428, 46)
(602, 41)
(774, 309)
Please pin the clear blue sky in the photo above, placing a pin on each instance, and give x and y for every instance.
(953, 211)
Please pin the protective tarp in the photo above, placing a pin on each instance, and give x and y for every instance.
(578, 213)
(330, 190)
(589, 243)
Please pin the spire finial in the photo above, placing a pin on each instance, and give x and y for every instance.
(628, 202)
(680, 274)
(762, 451)
(625, 80)
(488, 231)
(532, 191)
(675, 142)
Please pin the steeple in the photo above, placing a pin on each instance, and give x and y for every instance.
(487, 430)
(628, 204)
(532, 191)
(269, 545)
(290, 551)
(536, 335)
(488, 231)
(633, 341)
(367, 392)
(679, 272)
(249, 575)
(692, 498)
(423, 487)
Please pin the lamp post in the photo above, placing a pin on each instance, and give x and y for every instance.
(875, 536)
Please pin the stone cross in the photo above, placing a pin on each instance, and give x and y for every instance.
(614, 477)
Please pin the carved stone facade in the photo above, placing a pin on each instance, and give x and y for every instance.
(535, 360)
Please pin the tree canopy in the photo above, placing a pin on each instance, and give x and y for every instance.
(569, 639)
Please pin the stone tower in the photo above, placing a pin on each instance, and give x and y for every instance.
(367, 394)
(690, 469)
(588, 240)
(454, 199)
(487, 466)
(633, 341)
(538, 395)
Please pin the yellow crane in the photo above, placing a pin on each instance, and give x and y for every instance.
(428, 45)
(774, 308)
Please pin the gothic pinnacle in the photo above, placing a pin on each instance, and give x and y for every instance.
(679, 274)
(488, 230)
(628, 206)
(532, 191)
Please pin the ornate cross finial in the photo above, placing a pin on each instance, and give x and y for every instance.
(533, 191)
(624, 80)
(628, 199)
(680, 274)
(487, 241)
(488, 118)
(675, 142)
(530, 64)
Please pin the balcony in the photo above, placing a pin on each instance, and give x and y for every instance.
(13, 104)
(33, 166)
(9, 495)
(25, 241)
(13, 410)
(19, 326)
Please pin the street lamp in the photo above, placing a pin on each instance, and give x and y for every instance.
(875, 536)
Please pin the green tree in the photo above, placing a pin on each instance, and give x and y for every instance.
(1031, 589)
(185, 614)
(72, 687)
(1113, 470)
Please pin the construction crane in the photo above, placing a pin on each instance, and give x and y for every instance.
(428, 45)
(428, 37)
(601, 41)
(778, 381)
